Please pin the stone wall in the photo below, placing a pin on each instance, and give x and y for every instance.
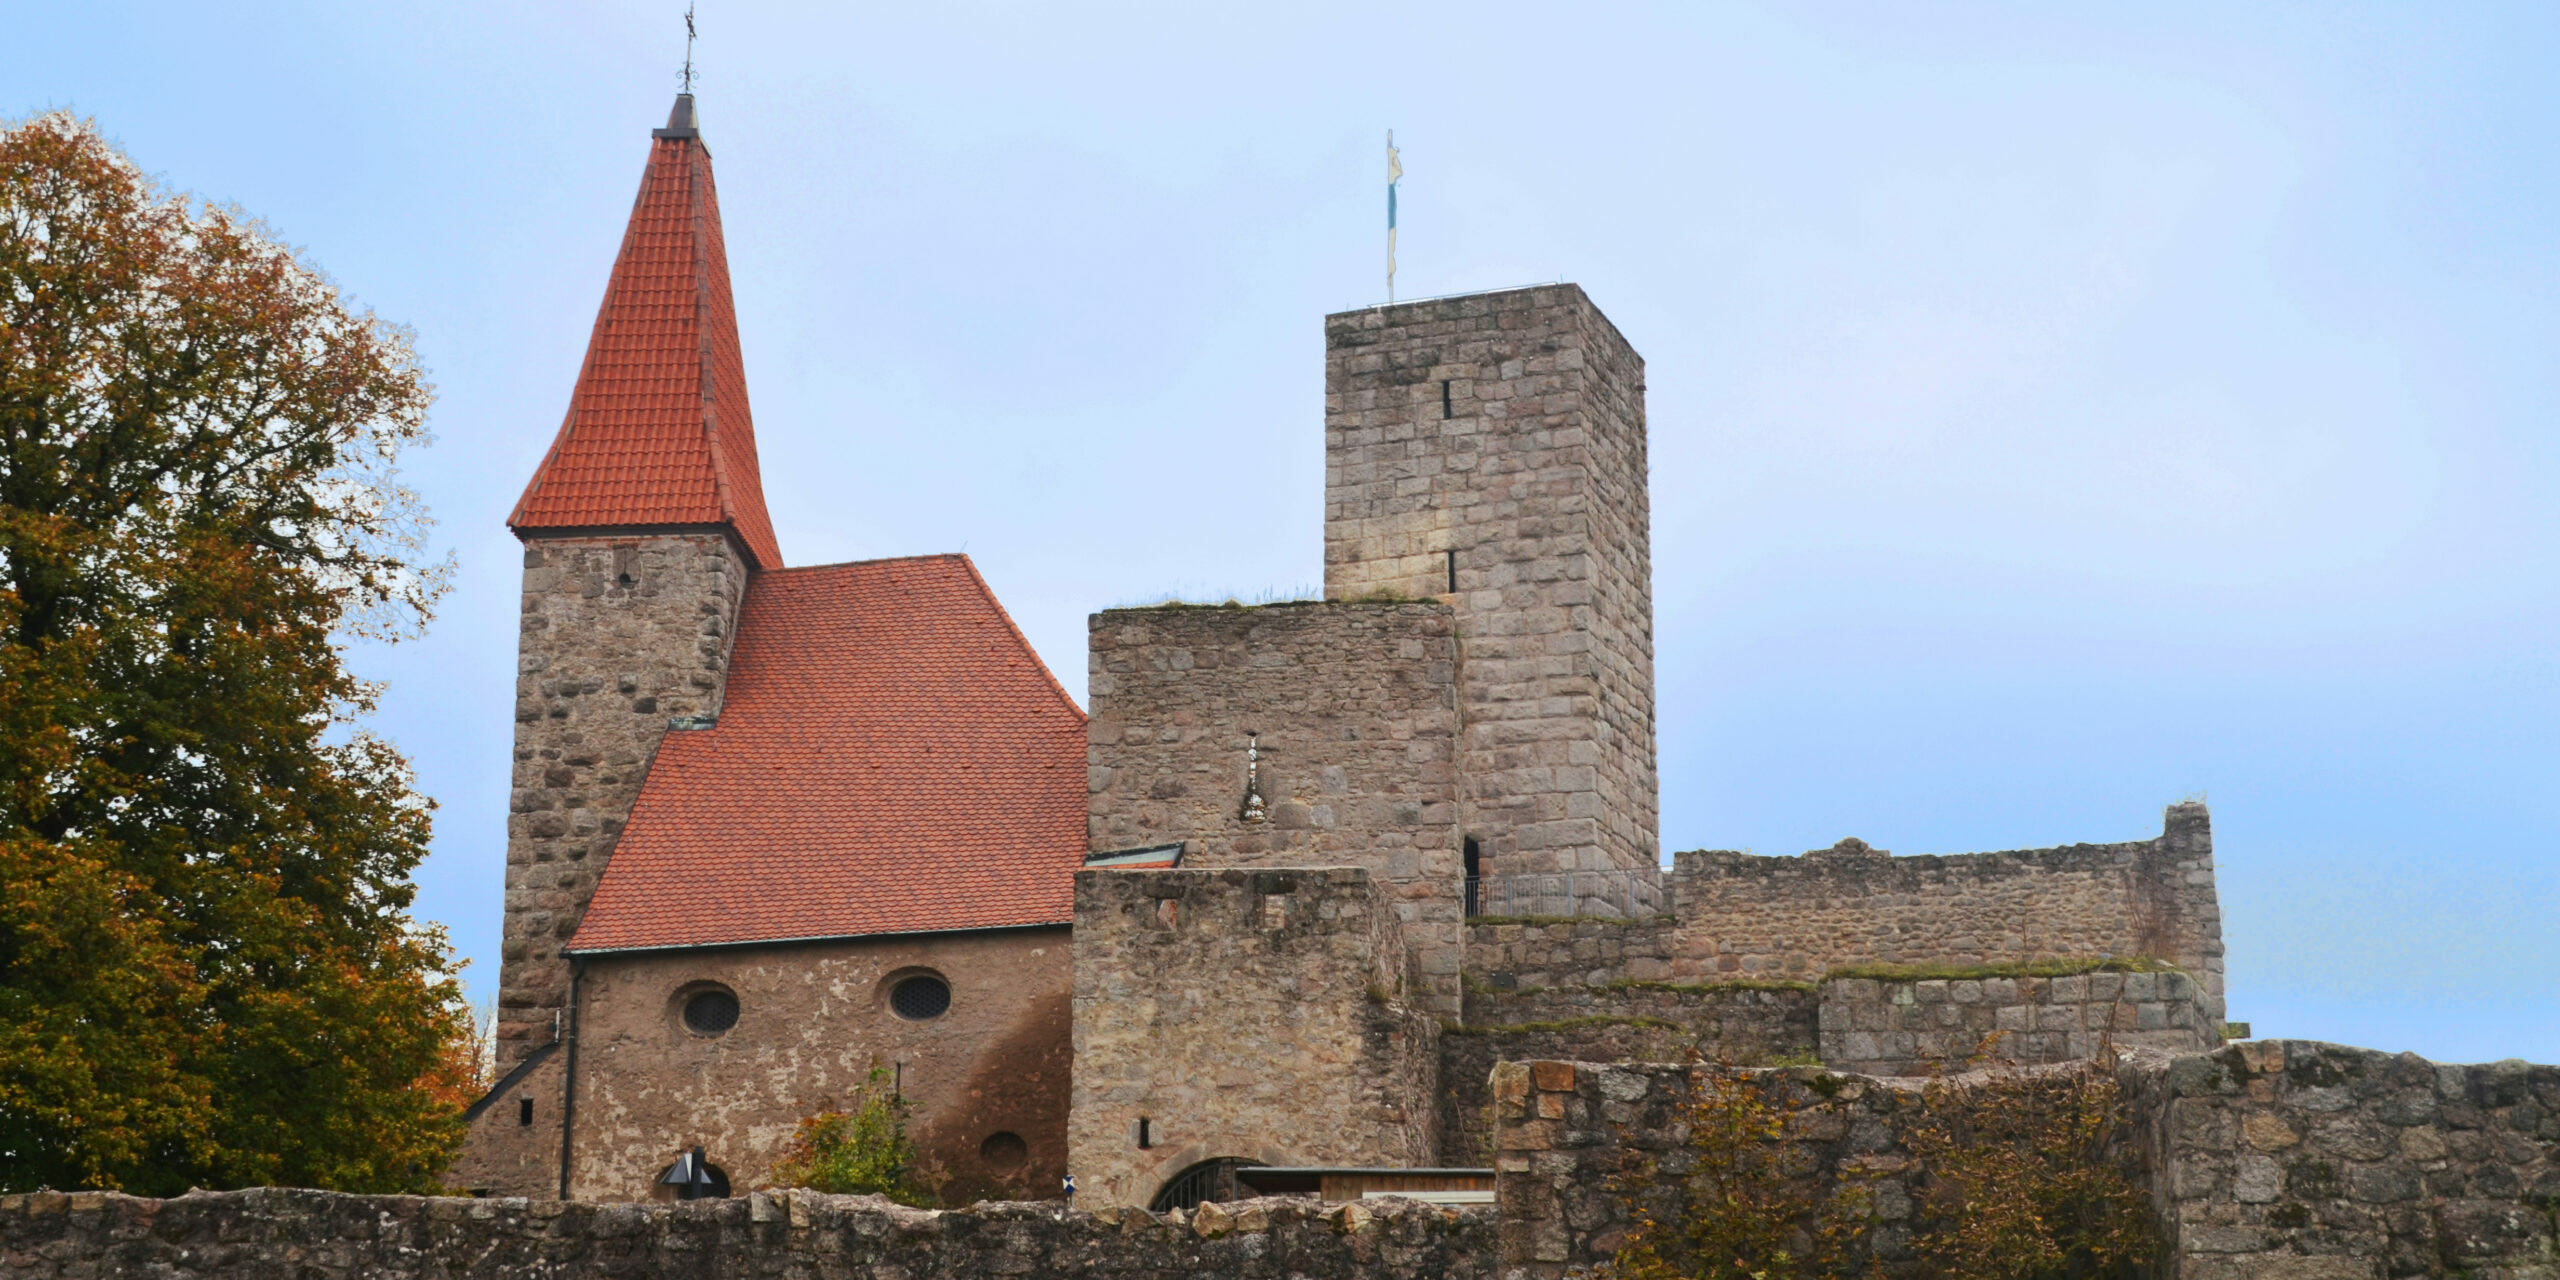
(1745, 1025)
(1889, 1028)
(812, 1020)
(1505, 954)
(316, 1235)
(2293, 1160)
(1744, 916)
(617, 635)
(1354, 707)
(1257, 1014)
(1507, 430)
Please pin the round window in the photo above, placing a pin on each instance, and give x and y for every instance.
(920, 998)
(711, 1012)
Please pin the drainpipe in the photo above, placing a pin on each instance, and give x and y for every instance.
(569, 1086)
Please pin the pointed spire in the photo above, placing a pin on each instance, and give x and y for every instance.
(659, 432)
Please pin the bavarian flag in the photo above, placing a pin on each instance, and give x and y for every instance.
(1395, 170)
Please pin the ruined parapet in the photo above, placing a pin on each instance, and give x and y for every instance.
(2300, 1159)
(1489, 450)
(1300, 734)
(1741, 916)
(1892, 1027)
(1241, 1014)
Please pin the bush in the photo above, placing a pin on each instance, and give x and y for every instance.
(862, 1149)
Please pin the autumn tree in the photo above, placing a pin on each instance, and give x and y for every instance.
(208, 973)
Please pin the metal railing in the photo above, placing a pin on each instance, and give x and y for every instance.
(1617, 894)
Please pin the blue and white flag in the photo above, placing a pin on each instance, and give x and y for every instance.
(1395, 170)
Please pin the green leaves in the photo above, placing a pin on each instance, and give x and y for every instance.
(860, 1150)
(206, 967)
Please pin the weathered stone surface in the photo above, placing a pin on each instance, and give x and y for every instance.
(314, 1235)
(812, 1020)
(1903, 1028)
(618, 634)
(1256, 1014)
(2300, 1159)
(1508, 428)
(1355, 710)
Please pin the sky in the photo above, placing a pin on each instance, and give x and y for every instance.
(2057, 411)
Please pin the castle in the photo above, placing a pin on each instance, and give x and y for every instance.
(1264, 915)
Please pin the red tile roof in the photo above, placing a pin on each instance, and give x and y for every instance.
(892, 757)
(659, 431)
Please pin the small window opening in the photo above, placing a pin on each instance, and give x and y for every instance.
(920, 999)
(1004, 1151)
(524, 1111)
(1474, 856)
(708, 1013)
(625, 579)
(1444, 399)
(1453, 571)
(1146, 1134)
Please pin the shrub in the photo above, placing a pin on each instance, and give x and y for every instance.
(862, 1149)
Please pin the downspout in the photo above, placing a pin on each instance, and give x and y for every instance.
(569, 1086)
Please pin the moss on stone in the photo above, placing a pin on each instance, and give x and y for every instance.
(2064, 968)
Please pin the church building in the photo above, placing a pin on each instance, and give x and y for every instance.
(772, 828)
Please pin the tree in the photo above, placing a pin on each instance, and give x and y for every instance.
(208, 973)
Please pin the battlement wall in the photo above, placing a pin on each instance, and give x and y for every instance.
(1354, 710)
(1259, 1014)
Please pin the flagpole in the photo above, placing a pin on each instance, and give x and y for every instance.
(1394, 171)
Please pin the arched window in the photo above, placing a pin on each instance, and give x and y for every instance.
(1209, 1180)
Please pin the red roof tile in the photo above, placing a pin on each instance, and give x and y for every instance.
(659, 431)
(892, 757)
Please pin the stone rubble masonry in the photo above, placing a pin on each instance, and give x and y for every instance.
(1906, 1028)
(1355, 706)
(1742, 916)
(618, 633)
(813, 1019)
(1743, 1025)
(1737, 916)
(2295, 1160)
(320, 1235)
(1509, 428)
(1261, 1014)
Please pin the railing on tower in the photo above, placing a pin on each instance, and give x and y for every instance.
(1621, 894)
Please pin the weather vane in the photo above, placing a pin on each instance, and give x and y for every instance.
(688, 48)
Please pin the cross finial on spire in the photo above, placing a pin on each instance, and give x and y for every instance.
(688, 48)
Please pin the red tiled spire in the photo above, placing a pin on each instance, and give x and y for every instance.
(658, 431)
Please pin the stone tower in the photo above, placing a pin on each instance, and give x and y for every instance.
(640, 530)
(1489, 451)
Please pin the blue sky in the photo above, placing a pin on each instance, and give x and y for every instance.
(2057, 411)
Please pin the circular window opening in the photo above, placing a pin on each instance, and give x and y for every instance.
(1004, 1151)
(708, 1013)
(920, 998)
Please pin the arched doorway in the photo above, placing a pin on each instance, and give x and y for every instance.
(1209, 1180)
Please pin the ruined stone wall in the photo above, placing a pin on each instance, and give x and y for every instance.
(1260, 1014)
(812, 1020)
(1743, 1025)
(319, 1235)
(1507, 429)
(2293, 1160)
(1745, 916)
(1355, 709)
(1905, 1028)
(617, 634)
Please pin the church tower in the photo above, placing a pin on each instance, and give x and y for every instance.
(640, 530)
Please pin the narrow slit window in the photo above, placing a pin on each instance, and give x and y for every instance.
(1453, 572)
(524, 1111)
(1146, 1137)
(1445, 410)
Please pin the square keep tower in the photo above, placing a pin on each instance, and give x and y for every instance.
(1489, 451)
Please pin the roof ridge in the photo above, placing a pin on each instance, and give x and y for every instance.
(855, 564)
